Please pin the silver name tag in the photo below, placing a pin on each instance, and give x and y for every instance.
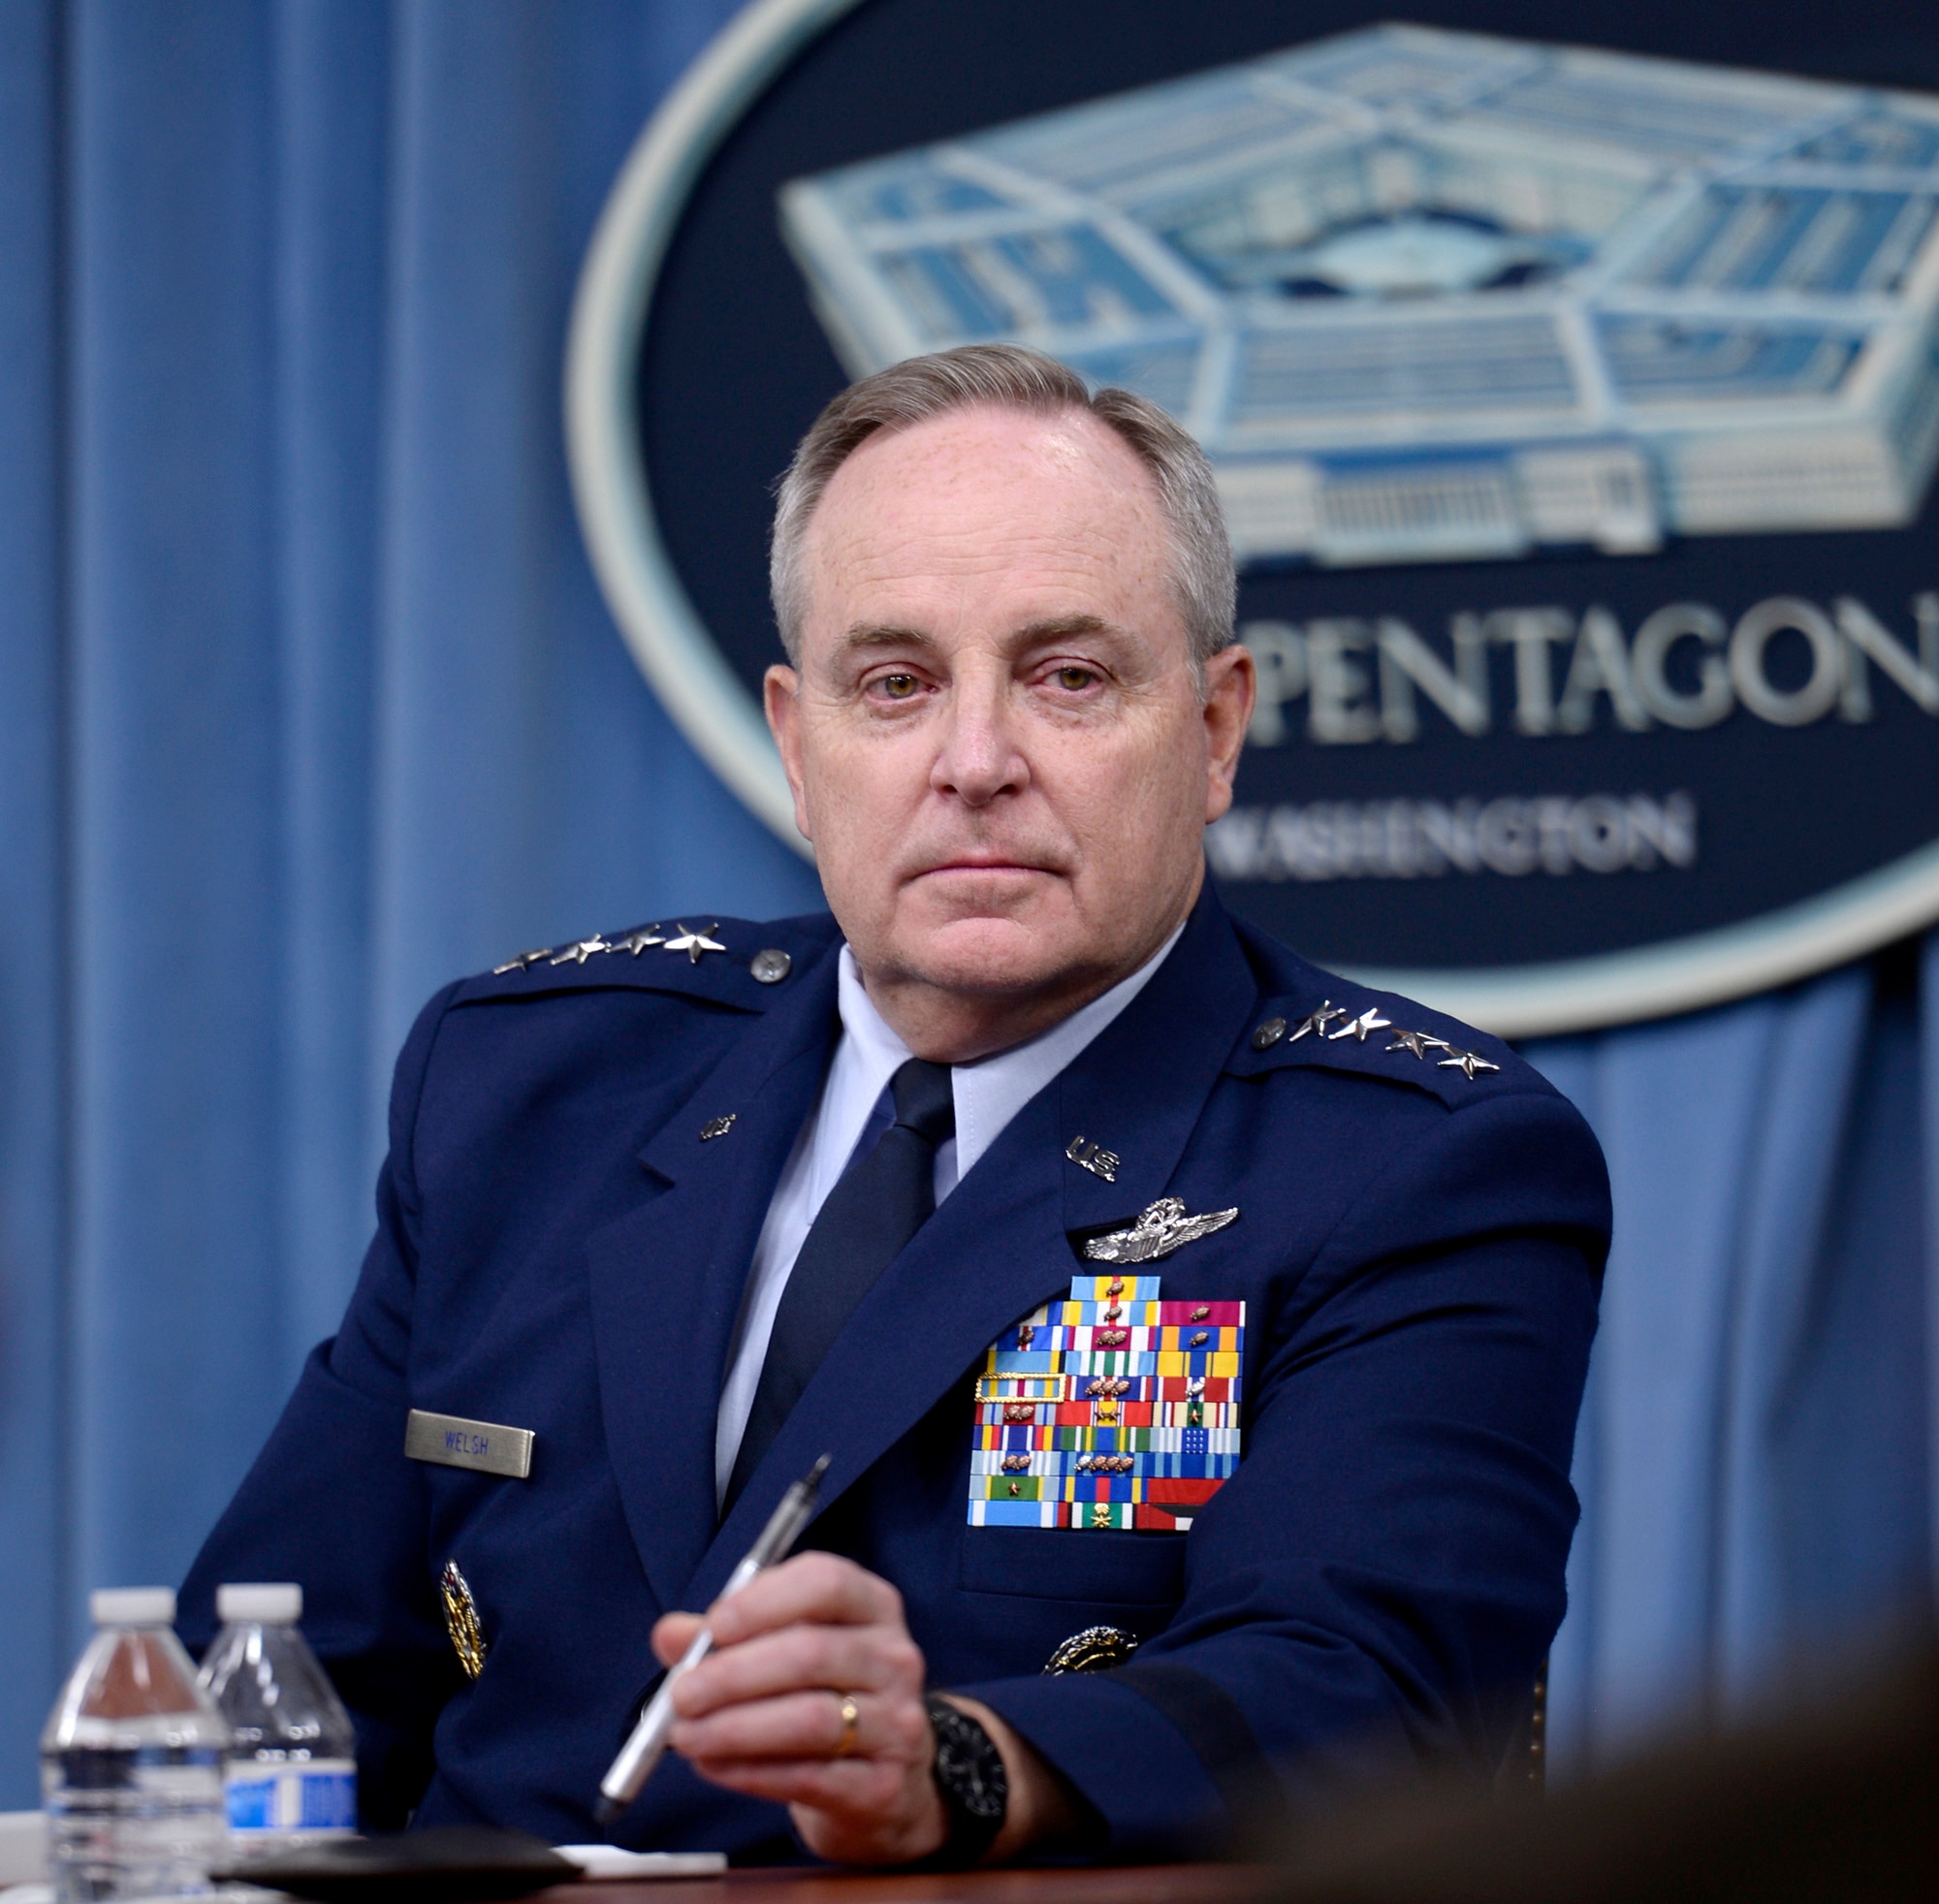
(489, 1446)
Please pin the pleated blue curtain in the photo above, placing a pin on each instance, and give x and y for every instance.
(1755, 1452)
(307, 701)
(33, 979)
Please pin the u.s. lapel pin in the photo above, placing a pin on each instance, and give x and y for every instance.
(1094, 1157)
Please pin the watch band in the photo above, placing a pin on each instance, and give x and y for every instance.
(975, 1791)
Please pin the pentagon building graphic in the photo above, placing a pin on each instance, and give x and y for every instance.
(1428, 295)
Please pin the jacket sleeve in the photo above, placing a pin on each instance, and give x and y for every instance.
(330, 1504)
(1375, 1587)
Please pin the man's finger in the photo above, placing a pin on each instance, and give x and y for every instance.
(673, 1635)
(814, 1587)
(810, 1726)
(857, 1789)
(800, 1724)
(837, 1659)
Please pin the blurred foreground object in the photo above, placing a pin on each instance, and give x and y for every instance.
(1837, 1802)
(130, 1761)
(291, 1780)
(446, 1864)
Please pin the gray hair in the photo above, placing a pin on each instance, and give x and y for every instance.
(1013, 378)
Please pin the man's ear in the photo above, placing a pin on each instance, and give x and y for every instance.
(780, 697)
(1231, 686)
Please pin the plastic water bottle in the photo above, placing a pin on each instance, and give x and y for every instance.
(130, 1761)
(292, 1775)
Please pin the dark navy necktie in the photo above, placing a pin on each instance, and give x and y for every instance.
(880, 1202)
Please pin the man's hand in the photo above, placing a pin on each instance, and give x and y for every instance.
(764, 1714)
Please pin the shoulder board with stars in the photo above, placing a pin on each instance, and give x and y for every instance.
(738, 961)
(1378, 1035)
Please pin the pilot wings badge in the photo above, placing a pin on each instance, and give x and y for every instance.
(1161, 1227)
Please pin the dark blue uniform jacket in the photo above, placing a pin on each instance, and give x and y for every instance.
(558, 1249)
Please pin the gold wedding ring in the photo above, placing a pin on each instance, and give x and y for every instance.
(851, 1724)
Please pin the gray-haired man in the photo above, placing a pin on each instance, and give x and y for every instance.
(1167, 1306)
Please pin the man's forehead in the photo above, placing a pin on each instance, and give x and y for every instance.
(985, 459)
(985, 491)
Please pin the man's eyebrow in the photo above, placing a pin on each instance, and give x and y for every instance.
(863, 636)
(1058, 626)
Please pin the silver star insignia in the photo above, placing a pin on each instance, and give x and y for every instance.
(1316, 1021)
(1421, 1043)
(693, 943)
(582, 949)
(1368, 1019)
(636, 943)
(524, 962)
(1162, 1228)
(1467, 1062)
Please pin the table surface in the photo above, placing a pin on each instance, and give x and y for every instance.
(1144, 1884)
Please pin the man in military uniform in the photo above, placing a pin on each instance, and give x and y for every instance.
(1197, 1338)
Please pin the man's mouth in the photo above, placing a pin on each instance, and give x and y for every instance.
(972, 864)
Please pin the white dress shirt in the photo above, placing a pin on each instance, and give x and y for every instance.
(855, 1104)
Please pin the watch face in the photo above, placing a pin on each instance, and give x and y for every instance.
(969, 1767)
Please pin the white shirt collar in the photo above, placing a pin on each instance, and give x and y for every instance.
(988, 1094)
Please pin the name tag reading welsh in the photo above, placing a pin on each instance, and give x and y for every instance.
(489, 1446)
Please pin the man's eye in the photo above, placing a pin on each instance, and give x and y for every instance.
(1075, 680)
(897, 687)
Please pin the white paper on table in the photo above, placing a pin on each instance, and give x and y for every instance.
(610, 1862)
(24, 1848)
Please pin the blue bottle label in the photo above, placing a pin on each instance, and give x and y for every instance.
(302, 1797)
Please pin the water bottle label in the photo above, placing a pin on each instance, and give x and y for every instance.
(312, 1797)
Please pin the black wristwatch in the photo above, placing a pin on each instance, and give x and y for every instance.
(969, 1772)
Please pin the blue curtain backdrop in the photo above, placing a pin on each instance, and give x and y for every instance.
(307, 701)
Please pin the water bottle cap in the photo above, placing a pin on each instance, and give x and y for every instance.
(278, 1604)
(133, 1607)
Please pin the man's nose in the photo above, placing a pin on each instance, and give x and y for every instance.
(979, 757)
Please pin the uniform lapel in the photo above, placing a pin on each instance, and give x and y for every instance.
(667, 1278)
(1000, 1245)
(1138, 1091)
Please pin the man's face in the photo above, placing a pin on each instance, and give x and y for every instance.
(995, 738)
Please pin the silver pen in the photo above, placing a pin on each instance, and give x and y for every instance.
(641, 1753)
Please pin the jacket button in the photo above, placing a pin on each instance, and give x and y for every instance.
(1268, 1035)
(771, 967)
